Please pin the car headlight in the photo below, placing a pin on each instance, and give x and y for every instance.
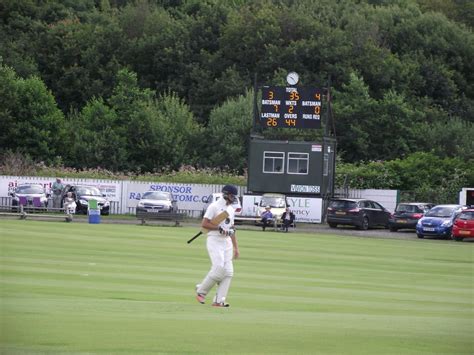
(106, 203)
(418, 224)
(140, 204)
(83, 202)
(447, 224)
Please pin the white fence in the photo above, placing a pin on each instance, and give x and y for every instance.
(124, 195)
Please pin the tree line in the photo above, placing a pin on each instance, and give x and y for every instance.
(150, 85)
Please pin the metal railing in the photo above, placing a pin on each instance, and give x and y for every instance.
(6, 201)
(188, 213)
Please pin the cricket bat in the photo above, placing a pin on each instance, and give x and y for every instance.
(216, 220)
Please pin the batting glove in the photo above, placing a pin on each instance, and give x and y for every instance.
(228, 232)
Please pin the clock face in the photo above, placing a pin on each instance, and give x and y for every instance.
(292, 78)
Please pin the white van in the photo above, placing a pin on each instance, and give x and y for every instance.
(277, 202)
(217, 195)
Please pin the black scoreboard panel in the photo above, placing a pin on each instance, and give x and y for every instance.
(291, 107)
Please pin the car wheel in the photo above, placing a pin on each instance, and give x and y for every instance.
(393, 229)
(365, 224)
(458, 239)
(332, 225)
(421, 236)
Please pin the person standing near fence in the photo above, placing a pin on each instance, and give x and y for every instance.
(57, 190)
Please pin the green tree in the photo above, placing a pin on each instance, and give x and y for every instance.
(228, 133)
(452, 137)
(352, 106)
(80, 60)
(95, 138)
(179, 141)
(370, 129)
(160, 132)
(30, 119)
(458, 10)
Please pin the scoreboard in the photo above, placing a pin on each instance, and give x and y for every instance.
(291, 107)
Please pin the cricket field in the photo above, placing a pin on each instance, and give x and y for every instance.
(78, 288)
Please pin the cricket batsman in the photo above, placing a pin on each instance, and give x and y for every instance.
(221, 247)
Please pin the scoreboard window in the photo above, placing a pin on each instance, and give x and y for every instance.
(274, 162)
(291, 107)
(298, 163)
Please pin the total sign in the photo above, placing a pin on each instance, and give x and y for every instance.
(306, 209)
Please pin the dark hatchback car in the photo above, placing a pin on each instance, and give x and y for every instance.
(407, 214)
(360, 213)
(83, 194)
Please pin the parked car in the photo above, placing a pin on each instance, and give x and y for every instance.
(217, 195)
(29, 195)
(82, 194)
(361, 213)
(463, 226)
(438, 221)
(407, 214)
(157, 202)
(277, 202)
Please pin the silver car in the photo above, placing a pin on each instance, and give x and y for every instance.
(157, 202)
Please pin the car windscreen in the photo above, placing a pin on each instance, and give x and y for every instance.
(88, 191)
(275, 202)
(408, 208)
(29, 189)
(467, 215)
(341, 204)
(154, 195)
(443, 212)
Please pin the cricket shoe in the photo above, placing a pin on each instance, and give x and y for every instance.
(199, 296)
(220, 304)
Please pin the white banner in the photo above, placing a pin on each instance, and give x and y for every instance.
(308, 210)
(188, 196)
(111, 189)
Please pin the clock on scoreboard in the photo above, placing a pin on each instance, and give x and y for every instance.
(291, 107)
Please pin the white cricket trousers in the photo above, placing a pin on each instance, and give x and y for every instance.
(220, 252)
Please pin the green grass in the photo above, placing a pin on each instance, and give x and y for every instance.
(128, 289)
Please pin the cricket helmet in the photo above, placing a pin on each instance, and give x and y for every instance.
(229, 190)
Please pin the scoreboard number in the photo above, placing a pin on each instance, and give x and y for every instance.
(291, 107)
